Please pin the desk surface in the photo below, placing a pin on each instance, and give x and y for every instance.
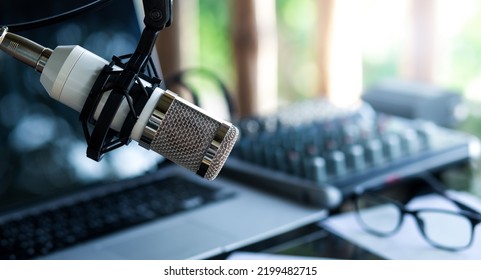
(315, 241)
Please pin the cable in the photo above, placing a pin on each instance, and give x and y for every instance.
(98, 4)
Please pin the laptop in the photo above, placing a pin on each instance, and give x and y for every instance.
(45, 175)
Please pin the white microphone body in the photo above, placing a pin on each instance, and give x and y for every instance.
(70, 74)
(169, 125)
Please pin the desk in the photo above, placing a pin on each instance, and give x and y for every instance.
(315, 241)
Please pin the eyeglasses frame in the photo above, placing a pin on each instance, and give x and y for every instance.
(468, 212)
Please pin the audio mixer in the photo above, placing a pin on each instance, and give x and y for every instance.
(318, 153)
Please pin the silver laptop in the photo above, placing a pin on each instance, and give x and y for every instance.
(243, 217)
(44, 170)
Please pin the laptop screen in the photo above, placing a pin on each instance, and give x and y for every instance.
(42, 146)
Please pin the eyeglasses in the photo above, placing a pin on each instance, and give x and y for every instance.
(443, 229)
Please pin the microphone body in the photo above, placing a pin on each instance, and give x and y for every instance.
(168, 125)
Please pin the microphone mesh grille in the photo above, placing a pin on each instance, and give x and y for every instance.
(223, 152)
(185, 134)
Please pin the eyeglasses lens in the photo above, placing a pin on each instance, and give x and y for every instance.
(378, 215)
(446, 229)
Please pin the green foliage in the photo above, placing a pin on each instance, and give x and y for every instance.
(466, 55)
(215, 39)
(375, 71)
(296, 20)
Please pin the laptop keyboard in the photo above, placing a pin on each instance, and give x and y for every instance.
(310, 150)
(51, 230)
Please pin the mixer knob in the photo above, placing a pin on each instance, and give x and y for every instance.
(426, 130)
(410, 141)
(315, 169)
(355, 157)
(295, 163)
(281, 160)
(336, 163)
(392, 146)
(373, 150)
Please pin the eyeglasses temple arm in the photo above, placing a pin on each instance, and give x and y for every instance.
(441, 189)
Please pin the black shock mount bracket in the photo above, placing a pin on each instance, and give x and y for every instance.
(123, 78)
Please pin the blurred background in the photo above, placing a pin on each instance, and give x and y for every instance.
(274, 52)
(268, 53)
(412, 58)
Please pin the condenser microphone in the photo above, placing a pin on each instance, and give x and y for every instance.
(167, 124)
